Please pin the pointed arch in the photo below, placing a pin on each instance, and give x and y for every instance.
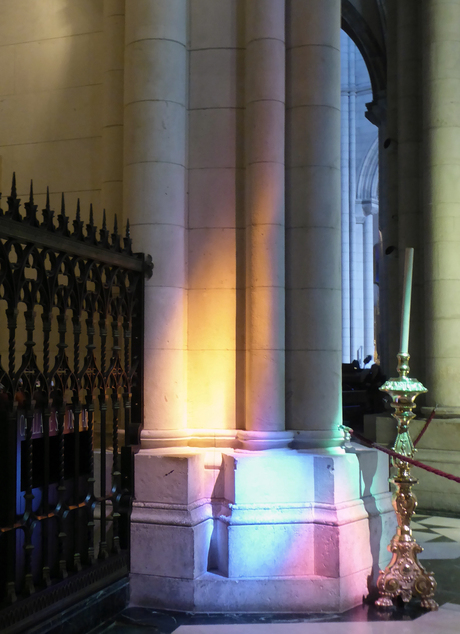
(356, 27)
(367, 189)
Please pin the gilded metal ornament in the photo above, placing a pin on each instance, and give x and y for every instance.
(404, 576)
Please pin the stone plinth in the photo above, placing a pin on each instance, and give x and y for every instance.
(439, 448)
(279, 530)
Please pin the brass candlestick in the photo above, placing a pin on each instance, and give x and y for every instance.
(404, 576)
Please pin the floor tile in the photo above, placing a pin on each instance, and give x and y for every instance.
(445, 621)
(451, 522)
(447, 576)
(451, 533)
(423, 536)
(440, 550)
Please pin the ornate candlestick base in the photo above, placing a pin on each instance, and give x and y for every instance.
(404, 576)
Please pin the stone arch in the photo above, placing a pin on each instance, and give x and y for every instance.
(356, 27)
(367, 189)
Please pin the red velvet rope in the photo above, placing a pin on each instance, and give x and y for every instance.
(425, 427)
(411, 461)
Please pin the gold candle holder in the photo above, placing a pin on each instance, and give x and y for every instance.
(404, 576)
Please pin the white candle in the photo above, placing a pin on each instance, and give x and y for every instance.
(407, 290)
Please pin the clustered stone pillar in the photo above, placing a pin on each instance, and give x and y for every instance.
(204, 518)
(313, 240)
(112, 124)
(154, 196)
(441, 134)
(264, 146)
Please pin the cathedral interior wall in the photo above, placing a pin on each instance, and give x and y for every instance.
(51, 99)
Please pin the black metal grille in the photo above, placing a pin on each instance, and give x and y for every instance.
(71, 326)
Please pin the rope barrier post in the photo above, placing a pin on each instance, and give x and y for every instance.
(404, 576)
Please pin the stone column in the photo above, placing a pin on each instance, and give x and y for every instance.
(345, 174)
(154, 195)
(313, 240)
(441, 134)
(112, 110)
(355, 295)
(358, 284)
(368, 257)
(264, 148)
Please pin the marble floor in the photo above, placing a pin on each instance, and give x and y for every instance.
(440, 538)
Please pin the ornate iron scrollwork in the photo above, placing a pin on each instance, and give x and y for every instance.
(70, 383)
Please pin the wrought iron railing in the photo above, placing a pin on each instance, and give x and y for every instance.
(71, 325)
